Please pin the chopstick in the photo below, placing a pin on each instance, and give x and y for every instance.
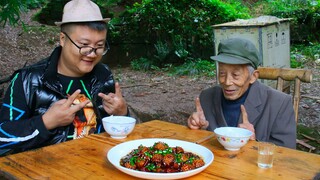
(204, 139)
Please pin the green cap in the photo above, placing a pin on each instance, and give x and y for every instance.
(237, 51)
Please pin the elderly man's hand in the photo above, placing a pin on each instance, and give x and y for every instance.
(197, 120)
(62, 112)
(245, 122)
(114, 103)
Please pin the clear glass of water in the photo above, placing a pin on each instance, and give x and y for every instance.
(265, 154)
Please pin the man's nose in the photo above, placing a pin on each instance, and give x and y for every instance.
(92, 53)
(228, 80)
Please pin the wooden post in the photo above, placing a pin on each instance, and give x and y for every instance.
(296, 98)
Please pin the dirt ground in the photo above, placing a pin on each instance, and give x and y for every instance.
(150, 95)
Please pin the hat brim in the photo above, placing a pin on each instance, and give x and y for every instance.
(229, 59)
(106, 20)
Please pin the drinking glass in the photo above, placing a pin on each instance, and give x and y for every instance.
(265, 154)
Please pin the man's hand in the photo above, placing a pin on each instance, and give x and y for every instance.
(62, 112)
(114, 103)
(197, 120)
(245, 122)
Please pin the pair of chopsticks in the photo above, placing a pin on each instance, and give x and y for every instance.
(204, 139)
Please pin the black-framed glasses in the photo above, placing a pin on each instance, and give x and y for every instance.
(86, 50)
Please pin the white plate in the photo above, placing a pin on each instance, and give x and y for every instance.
(121, 150)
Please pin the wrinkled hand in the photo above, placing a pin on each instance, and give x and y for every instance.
(197, 120)
(245, 122)
(62, 112)
(114, 103)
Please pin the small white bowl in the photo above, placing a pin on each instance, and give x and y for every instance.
(118, 127)
(232, 138)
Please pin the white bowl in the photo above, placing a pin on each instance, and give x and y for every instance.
(232, 138)
(118, 127)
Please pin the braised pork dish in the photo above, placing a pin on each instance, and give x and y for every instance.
(160, 158)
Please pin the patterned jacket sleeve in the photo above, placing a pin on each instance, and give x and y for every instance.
(19, 129)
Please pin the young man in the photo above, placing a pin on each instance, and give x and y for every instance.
(66, 95)
(241, 101)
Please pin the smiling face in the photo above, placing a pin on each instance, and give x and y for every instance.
(235, 79)
(71, 62)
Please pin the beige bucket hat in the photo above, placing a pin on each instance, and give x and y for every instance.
(81, 11)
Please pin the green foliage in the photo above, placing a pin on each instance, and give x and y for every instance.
(32, 4)
(162, 51)
(295, 62)
(195, 68)
(312, 50)
(51, 12)
(305, 14)
(141, 64)
(302, 54)
(10, 9)
(183, 26)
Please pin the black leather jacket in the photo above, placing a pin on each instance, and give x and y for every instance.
(40, 88)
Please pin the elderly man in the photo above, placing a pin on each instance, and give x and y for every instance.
(241, 101)
(66, 95)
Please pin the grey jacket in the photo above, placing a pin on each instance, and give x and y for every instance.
(270, 111)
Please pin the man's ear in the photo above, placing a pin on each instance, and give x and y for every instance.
(254, 76)
(62, 39)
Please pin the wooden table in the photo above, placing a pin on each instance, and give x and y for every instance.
(86, 158)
